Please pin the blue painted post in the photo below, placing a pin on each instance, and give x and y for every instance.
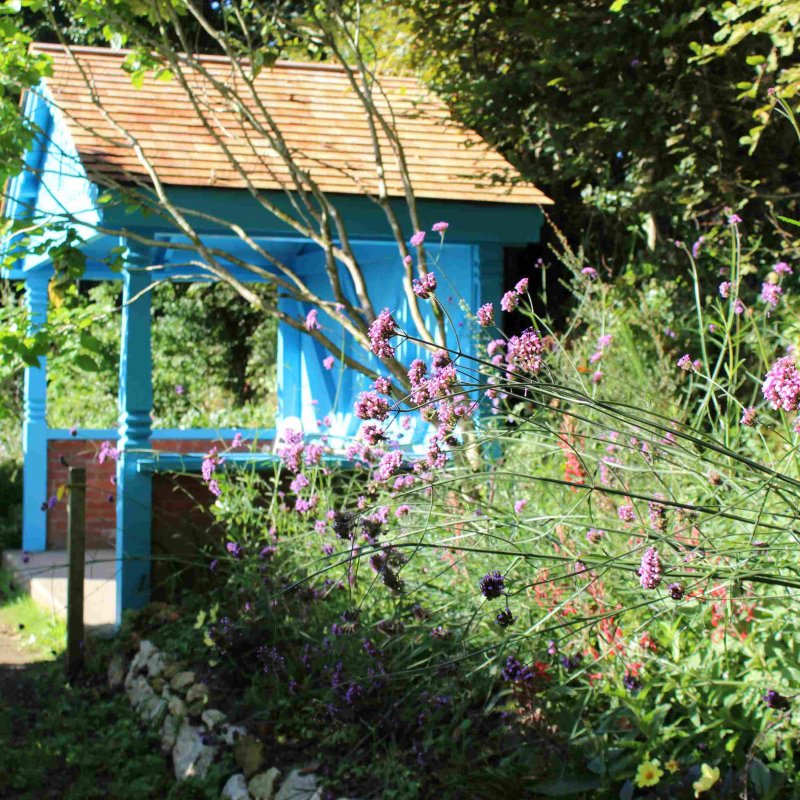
(34, 430)
(134, 489)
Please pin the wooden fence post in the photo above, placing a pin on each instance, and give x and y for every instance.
(76, 554)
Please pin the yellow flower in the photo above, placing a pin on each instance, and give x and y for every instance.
(648, 773)
(708, 777)
(672, 765)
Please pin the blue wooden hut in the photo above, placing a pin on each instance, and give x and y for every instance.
(101, 137)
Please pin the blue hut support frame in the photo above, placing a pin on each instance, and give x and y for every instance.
(134, 495)
(56, 185)
(475, 270)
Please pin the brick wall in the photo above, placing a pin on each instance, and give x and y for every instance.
(179, 501)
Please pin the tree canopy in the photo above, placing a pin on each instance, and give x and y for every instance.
(636, 117)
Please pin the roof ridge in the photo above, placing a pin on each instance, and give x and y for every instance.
(53, 47)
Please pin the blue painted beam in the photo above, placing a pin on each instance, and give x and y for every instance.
(192, 462)
(134, 489)
(34, 430)
(470, 222)
(250, 434)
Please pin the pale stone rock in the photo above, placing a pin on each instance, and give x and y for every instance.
(116, 672)
(236, 788)
(249, 754)
(182, 681)
(158, 684)
(197, 693)
(156, 664)
(154, 710)
(299, 787)
(146, 651)
(262, 786)
(169, 733)
(139, 692)
(190, 757)
(171, 669)
(176, 706)
(230, 733)
(212, 718)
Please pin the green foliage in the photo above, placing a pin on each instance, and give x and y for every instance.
(41, 633)
(228, 373)
(606, 107)
(752, 24)
(81, 741)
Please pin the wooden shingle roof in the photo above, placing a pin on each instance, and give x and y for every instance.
(322, 121)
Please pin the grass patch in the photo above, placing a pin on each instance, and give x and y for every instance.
(41, 632)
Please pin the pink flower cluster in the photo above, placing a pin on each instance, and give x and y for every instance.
(382, 385)
(312, 323)
(486, 315)
(771, 294)
(424, 286)
(782, 385)
(525, 351)
(107, 452)
(389, 464)
(782, 268)
(291, 451)
(382, 329)
(650, 570)
(370, 406)
(209, 467)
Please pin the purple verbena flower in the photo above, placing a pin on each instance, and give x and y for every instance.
(424, 286)
(509, 301)
(417, 239)
(774, 699)
(486, 315)
(492, 585)
(593, 535)
(235, 549)
(382, 329)
(676, 591)
(440, 227)
(107, 451)
(782, 385)
(382, 385)
(370, 406)
(771, 294)
(312, 324)
(626, 513)
(782, 268)
(749, 417)
(650, 570)
(504, 618)
(389, 464)
(525, 351)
